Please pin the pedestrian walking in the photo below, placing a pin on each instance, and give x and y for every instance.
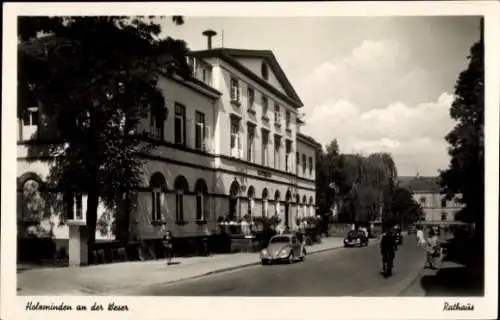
(388, 249)
(432, 250)
(420, 237)
(168, 245)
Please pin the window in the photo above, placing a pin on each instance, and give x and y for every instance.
(251, 98)
(156, 204)
(31, 117)
(265, 71)
(297, 159)
(78, 206)
(180, 187)
(180, 124)
(265, 107)
(235, 90)
(202, 202)
(179, 206)
(250, 143)
(443, 203)
(443, 216)
(75, 206)
(288, 120)
(199, 130)
(235, 138)
(277, 144)
(265, 143)
(304, 164)
(287, 155)
(310, 165)
(191, 61)
(277, 114)
(204, 76)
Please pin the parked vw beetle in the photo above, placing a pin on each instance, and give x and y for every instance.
(283, 248)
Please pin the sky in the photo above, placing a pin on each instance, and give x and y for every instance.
(376, 84)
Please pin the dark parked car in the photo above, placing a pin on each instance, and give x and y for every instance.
(355, 238)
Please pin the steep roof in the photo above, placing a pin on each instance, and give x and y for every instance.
(231, 55)
(420, 184)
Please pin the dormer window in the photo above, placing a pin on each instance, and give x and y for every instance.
(265, 71)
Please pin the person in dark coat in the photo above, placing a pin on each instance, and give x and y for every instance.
(388, 248)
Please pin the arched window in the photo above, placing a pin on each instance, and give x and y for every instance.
(297, 203)
(158, 186)
(311, 207)
(251, 196)
(277, 198)
(304, 205)
(202, 201)
(234, 191)
(181, 187)
(265, 195)
(265, 71)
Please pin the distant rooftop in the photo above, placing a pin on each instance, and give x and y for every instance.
(420, 184)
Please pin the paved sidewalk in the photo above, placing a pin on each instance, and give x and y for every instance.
(109, 279)
(416, 289)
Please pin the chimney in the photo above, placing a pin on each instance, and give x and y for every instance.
(209, 34)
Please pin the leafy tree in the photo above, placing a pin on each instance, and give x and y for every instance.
(94, 79)
(363, 185)
(465, 174)
(405, 207)
(326, 173)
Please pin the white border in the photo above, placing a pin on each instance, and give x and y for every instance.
(12, 307)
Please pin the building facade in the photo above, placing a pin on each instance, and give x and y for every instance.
(427, 192)
(230, 146)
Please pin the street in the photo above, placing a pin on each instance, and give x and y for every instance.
(341, 272)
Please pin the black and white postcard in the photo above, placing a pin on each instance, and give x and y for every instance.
(250, 160)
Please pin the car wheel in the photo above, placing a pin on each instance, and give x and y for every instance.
(264, 262)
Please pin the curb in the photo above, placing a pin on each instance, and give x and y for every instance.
(411, 284)
(209, 273)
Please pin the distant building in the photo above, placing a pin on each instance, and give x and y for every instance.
(230, 146)
(427, 192)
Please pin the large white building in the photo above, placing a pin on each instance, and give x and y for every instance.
(230, 146)
(427, 192)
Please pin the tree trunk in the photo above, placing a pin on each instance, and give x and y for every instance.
(122, 217)
(92, 205)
